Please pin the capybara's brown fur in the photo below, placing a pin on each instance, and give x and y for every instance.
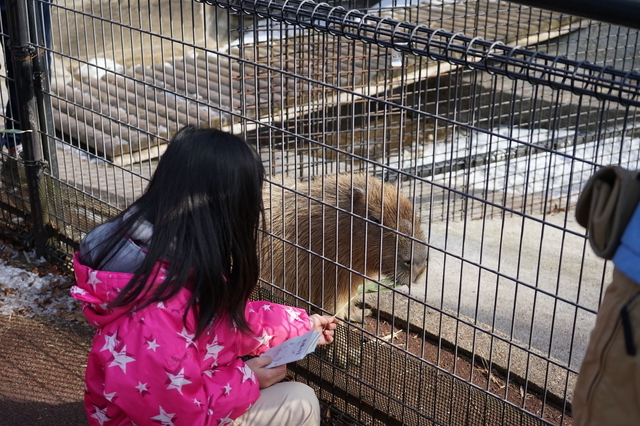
(321, 253)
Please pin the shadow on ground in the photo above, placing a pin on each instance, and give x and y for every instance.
(42, 371)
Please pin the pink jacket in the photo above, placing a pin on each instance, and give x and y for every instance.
(146, 367)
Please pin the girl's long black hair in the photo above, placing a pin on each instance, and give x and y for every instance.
(205, 203)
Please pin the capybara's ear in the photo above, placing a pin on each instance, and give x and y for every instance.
(406, 227)
(357, 194)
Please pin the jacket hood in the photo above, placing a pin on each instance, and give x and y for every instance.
(125, 257)
(97, 288)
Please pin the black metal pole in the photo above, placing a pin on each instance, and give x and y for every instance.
(618, 12)
(22, 55)
(40, 31)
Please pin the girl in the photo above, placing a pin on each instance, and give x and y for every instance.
(166, 283)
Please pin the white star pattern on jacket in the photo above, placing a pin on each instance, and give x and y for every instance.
(162, 275)
(153, 345)
(164, 418)
(213, 349)
(247, 373)
(100, 415)
(188, 337)
(227, 389)
(110, 342)
(226, 420)
(142, 388)
(93, 279)
(264, 339)
(211, 371)
(78, 291)
(121, 359)
(177, 380)
(109, 396)
(266, 307)
(293, 314)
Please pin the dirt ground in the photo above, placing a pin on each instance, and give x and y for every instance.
(476, 372)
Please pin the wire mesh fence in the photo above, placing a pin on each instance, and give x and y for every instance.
(424, 160)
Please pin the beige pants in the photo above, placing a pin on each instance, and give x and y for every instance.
(286, 403)
(608, 387)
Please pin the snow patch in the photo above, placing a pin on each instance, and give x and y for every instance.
(30, 294)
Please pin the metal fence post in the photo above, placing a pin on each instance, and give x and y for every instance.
(23, 54)
(40, 32)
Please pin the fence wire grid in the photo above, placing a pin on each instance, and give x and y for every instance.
(469, 127)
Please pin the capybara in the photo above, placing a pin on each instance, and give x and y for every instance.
(331, 232)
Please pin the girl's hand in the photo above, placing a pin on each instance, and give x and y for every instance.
(266, 376)
(326, 324)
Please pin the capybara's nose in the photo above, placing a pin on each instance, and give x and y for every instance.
(417, 268)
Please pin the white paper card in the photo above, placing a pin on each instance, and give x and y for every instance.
(293, 349)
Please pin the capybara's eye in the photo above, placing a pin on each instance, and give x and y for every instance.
(374, 219)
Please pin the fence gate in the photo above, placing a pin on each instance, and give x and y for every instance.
(466, 130)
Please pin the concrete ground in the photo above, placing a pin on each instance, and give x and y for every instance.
(521, 277)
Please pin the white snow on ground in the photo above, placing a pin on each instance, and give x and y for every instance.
(556, 173)
(27, 293)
